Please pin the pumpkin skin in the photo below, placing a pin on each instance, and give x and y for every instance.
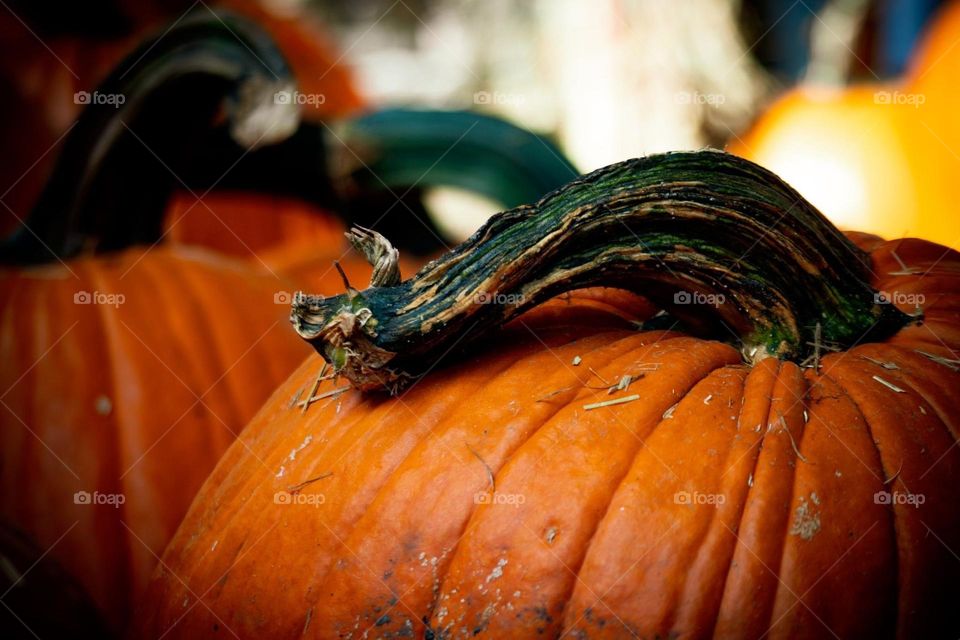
(90, 389)
(875, 157)
(248, 224)
(388, 538)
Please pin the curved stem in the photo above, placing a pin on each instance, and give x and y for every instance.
(720, 242)
(383, 153)
(141, 130)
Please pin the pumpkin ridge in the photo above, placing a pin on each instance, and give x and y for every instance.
(214, 340)
(118, 445)
(910, 439)
(905, 378)
(764, 393)
(760, 540)
(337, 530)
(574, 613)
(671, 619)
(894, 518)
(791, 522)
(542, 350)
(709, 351)
(203, 335)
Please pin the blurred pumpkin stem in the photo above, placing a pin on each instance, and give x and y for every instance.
(725, 246)
(209, 79)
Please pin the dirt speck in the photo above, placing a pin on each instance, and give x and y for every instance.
(806, 521)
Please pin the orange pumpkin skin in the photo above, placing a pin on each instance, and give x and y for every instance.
(138, 399)
(250, 225)
(488, 501)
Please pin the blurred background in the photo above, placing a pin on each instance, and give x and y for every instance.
(817, 90)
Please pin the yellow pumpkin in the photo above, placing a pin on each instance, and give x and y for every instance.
(882, 158)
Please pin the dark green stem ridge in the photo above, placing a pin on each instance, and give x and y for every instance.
(721, 243)
(204, 89)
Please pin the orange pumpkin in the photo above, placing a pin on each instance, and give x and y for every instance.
(43, 77)
(573, 475)
(114, 404)
(879, 158)
(113, 388)
(319, 71)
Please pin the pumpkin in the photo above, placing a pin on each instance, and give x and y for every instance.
(370, 170)
(206, 155)
(43, 76)
(113, 411)
(774, 453)
(874, 157)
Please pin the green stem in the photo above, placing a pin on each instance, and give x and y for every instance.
(142, 129)
(723, 244)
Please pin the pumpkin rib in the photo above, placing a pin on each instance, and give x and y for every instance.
(840, 569)
(173, 289)
(710, 357)
(696, 544)
(916, 563)
(372, 427)
(355, 541)
(794, 521)
(912, 379)
(197, 287)
(895, 524)
(202, 287)
(440, 552)
(129, 551)
(749, 594)
(757, 389)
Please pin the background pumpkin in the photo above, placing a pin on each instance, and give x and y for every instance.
(109, 388)
(495, 497)
(89, 42)
(373, 170)
(874, 157)
(248, 195)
